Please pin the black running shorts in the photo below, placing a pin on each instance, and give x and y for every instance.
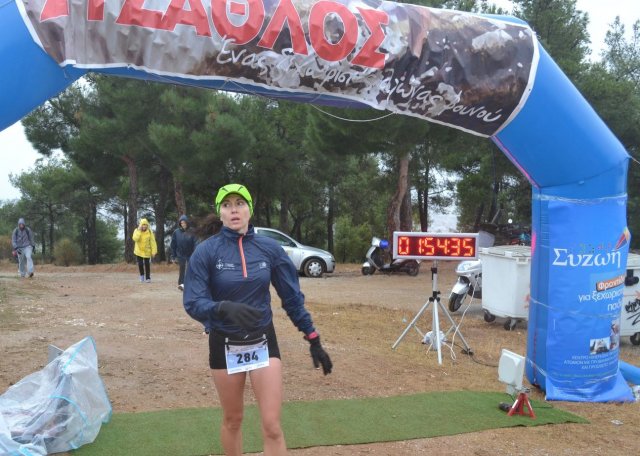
(217, 359)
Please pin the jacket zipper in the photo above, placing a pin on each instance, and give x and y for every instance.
(244, 264)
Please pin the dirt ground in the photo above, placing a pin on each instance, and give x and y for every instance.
(153, 356)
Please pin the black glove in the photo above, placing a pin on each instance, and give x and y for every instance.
(239, 314)
(318, 355)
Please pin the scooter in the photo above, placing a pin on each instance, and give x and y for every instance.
(469, 273)
(469, 283)
(376, 260)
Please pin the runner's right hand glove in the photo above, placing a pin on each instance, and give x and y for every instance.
(318, 355)
(239, 314)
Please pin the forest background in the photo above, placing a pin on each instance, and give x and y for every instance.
(116, 150)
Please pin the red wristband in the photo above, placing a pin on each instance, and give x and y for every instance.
(311, 335)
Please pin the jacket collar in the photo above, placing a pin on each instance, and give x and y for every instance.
(234, 235)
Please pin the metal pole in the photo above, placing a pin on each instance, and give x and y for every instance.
(436, 329)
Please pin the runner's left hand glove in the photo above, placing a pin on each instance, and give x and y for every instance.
(318, 355)
(240, 314)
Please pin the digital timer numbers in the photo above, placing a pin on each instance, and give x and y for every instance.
(436, 246)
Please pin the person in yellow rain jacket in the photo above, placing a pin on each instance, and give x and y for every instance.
(145, 248)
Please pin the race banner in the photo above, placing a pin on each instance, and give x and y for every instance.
(467, 71)
(587, 266)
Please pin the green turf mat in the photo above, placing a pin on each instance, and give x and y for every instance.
(194, 432)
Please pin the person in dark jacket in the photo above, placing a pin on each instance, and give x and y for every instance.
(227, 290)
(23, 245)
(182, 244)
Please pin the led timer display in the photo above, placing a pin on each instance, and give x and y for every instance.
(435, 246)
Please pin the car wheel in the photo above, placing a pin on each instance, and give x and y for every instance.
(313, 268)
(635, 339)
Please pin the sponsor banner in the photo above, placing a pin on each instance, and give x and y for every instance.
(467, 71)
(587, 263)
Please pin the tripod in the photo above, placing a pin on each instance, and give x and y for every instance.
(434, 301)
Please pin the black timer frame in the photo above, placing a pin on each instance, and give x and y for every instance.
(434, 299)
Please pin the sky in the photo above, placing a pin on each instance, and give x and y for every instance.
(17, 155)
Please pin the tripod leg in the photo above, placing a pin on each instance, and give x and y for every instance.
(412, 324)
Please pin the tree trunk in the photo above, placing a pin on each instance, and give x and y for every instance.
(43, 251)
(125, 222)
(423, 198)
(296, 231)
(423, 209)
(331, 218)
(178, 192)
(494, 200)
(51, 224)
(267, 215)
(406, 214)
(284, 214)
(393, 212)
(92, 236)
(132, 212)
(161, 213)
(478, 219)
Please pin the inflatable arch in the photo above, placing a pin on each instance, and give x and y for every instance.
(485, 75)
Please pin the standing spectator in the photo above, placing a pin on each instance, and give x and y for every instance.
(183, 242)
(23, 245)
(145, 249)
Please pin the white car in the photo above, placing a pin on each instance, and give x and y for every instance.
(310, 261)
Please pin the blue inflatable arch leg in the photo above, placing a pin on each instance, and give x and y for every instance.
(580, 240)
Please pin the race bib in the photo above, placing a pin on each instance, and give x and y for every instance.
(246, 356)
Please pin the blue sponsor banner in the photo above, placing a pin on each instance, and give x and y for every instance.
(587, 257)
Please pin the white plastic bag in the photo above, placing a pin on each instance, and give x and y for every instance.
(58, 408)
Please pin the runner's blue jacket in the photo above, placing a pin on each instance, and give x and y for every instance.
(234, 267)
(182, 241)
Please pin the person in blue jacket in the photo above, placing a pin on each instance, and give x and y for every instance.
(227, 290)
(183, 242)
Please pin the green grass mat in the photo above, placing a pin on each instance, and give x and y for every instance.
(194, 432)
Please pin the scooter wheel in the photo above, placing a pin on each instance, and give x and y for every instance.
(413, 268)
(488, 316)
(368, 270)
(455, 301)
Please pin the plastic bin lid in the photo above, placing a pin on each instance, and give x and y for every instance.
(633, 261)
(508, 251)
